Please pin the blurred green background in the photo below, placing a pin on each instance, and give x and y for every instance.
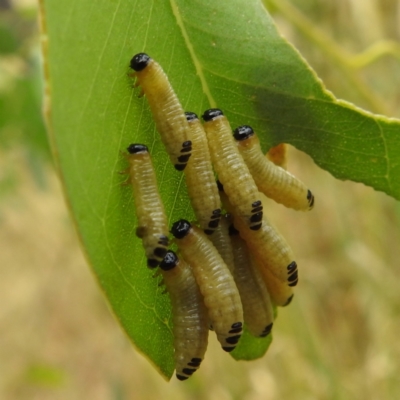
(337, 340)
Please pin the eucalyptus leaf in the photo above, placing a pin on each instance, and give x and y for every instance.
(226, 54)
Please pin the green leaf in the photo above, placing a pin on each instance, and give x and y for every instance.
(249, 347)
(226, 54)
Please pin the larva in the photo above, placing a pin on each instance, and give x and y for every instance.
(232, 170)
(217, 286)
(152, 221)
(258, 313)
(189, 315)
(222, 241)
(267, 245)
(167, 111)
(272, 180)
(200, 180)
(278, 155)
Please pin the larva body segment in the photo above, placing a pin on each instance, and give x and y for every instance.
(231, 169)
(257, 307)
(167, 111)
(280, 292)
(267, 245)
(273, 181)
(217, 286)
(278, 155)
(222, 241)
(200, 180)
(152, 221)
(272, 251)
(190, 315)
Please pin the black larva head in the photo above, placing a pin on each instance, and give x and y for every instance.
(181, 228)
(191, 116)
(212, 113)
(170, 261)
(140, 61)
(137, 148)
(243, 132)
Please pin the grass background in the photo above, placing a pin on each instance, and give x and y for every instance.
(338, 339)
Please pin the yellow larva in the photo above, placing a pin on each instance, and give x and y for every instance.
(200, 180)
(257, 307)
(167, 111)
(278, 155)
(152, 221)
(267, 245)
(217, 286)
(190, 317)
(222, 241)
(232, 170)
(272, 180)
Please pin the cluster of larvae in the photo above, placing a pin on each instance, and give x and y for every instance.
(233, 266)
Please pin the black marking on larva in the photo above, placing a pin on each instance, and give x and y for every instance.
(293, 277)
(152, 263)
(228, 349)
(257, 209)
(186, 146)
(140, 61)
(256, 203)
(160, 252)
(214, 223)
(180, 167)
(267, 330)
(195, 362)
(256, 227)
(236, 330)
(216, 213)
(220, 186)
(257, 217)
(188, 371)
(181, 377)
(310, 198)
(292, 284)
(292, 267)
(289, 300)
(141, 231)
(163, 240)
(184, 158)
(233, 339)
(212, 113)
(181, 228)
(237, 325)
(232, 230)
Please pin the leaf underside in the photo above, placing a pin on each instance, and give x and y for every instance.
(226, 54)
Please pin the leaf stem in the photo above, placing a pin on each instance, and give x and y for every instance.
(345, 62)
(374, 52)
